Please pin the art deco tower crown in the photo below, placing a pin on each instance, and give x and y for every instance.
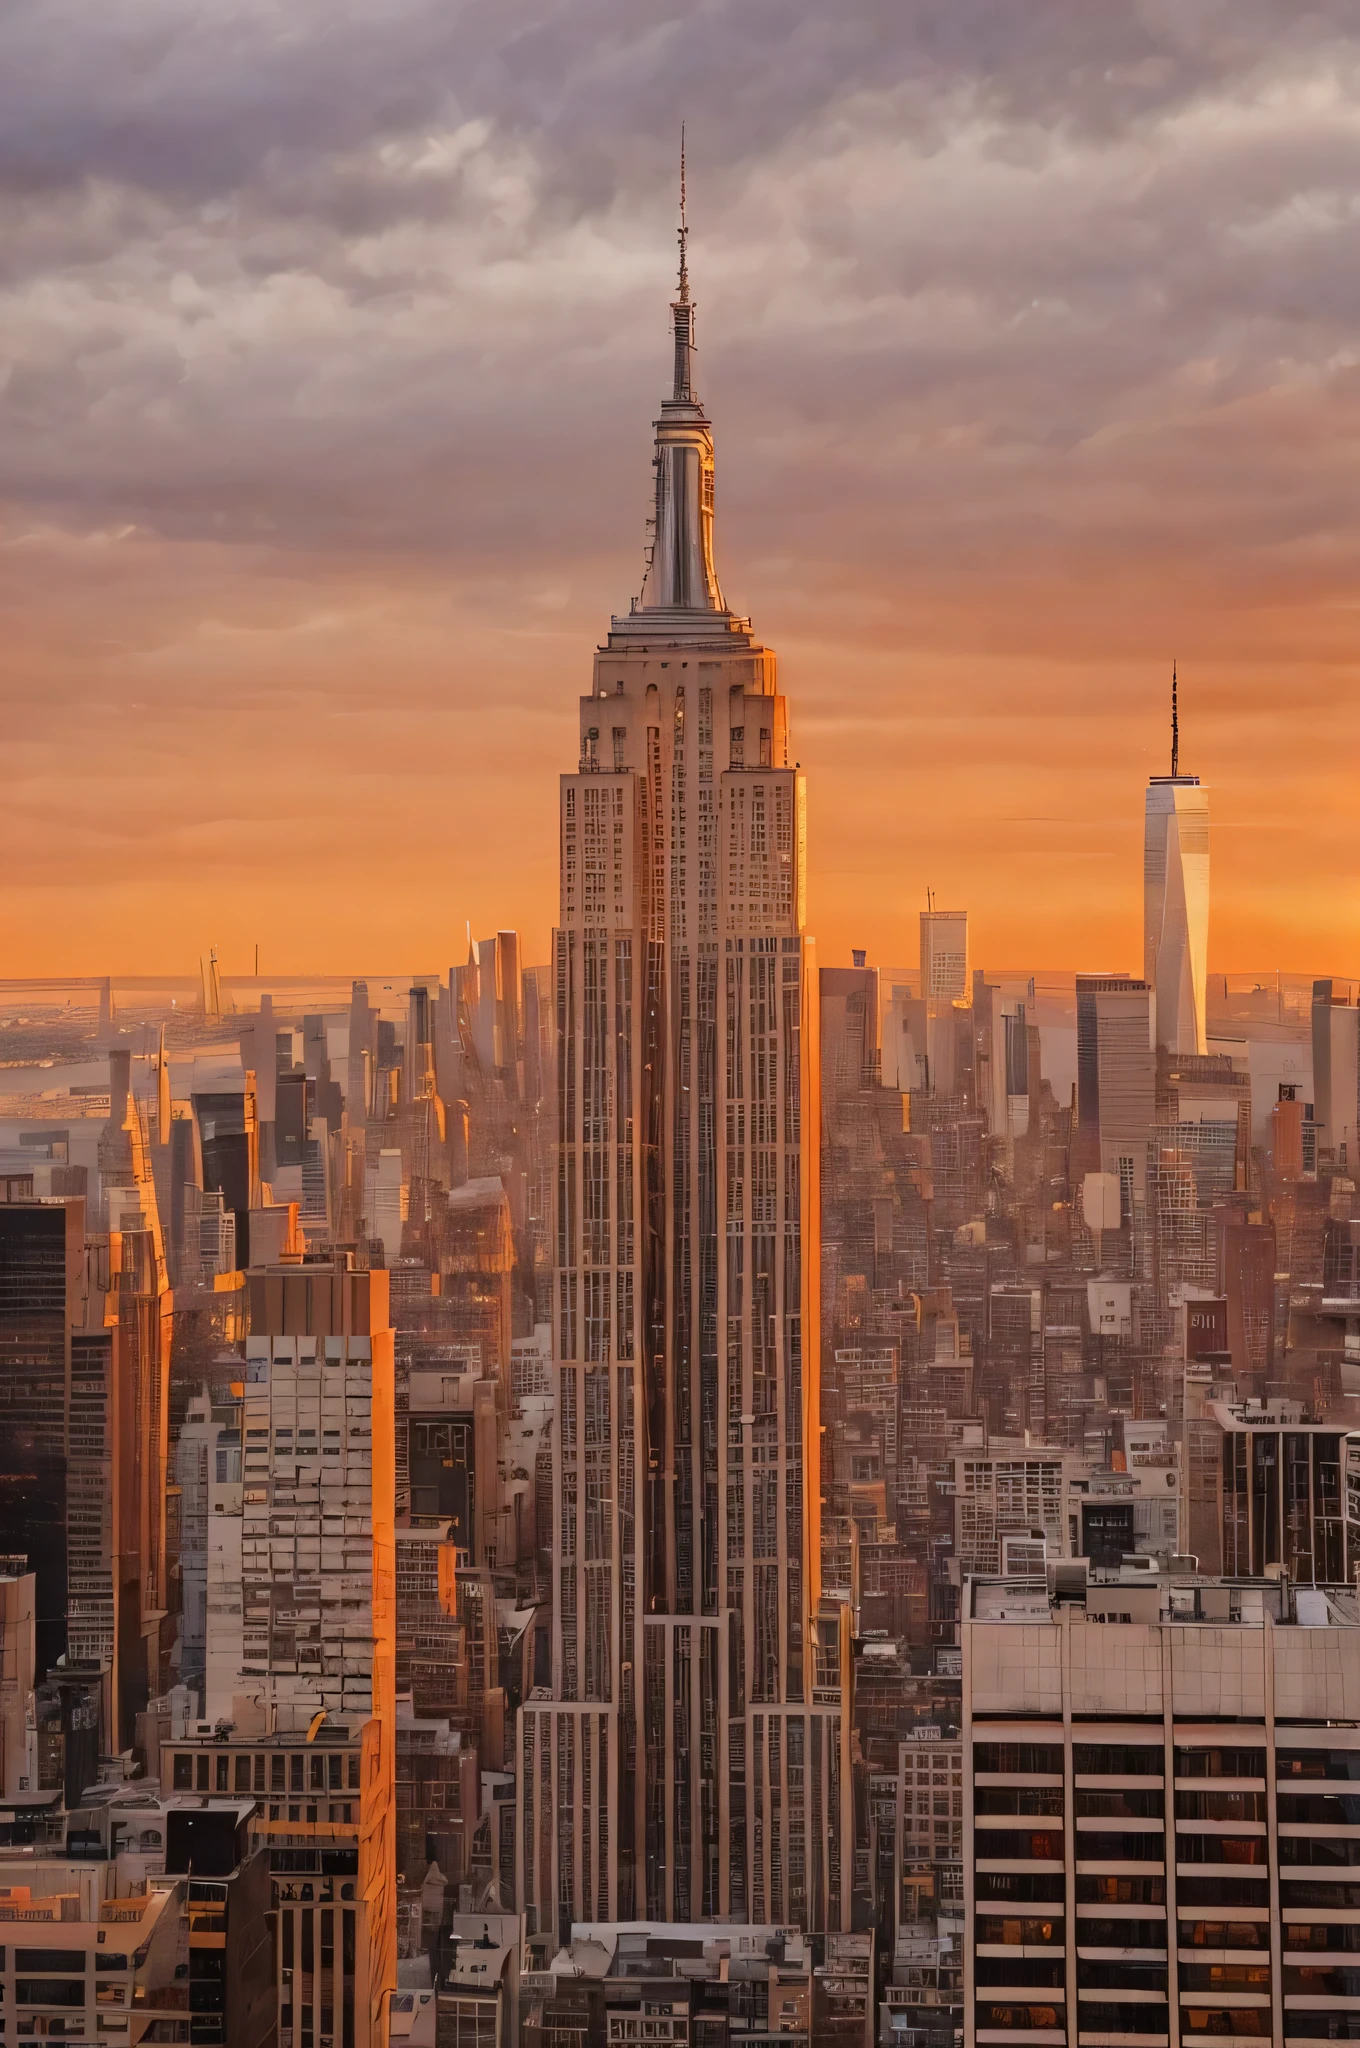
(680, 575)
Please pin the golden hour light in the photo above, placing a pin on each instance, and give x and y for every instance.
(679, 1043)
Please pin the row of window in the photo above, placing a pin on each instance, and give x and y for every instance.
(1131, 1803)
(1130, 1760)
(64, 1961)
(317, 1771)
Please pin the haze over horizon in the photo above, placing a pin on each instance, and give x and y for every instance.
(333, 338)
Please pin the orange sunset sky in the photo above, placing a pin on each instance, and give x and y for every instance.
(332, 333)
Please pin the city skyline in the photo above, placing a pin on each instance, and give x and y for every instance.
(762, 1443)
(294, 468)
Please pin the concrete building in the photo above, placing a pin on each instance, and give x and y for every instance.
(301, 1570)
(315, 1802)
(1336, 1070)
(1130, 1513)
(944, 992)
(1268, 1491)
(929, 1801)
(18, 1741)
(91, 1968)
(138, 1917)
(944, 955)
(1010, 1501)
(695, 1983)
(1153, 1841)
(690, 1760)
(1002, 1014)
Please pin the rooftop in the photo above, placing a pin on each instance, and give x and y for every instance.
(1147, 1590)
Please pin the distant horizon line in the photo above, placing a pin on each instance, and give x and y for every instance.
(173, 979)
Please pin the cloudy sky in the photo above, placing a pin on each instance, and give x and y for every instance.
(330, 336)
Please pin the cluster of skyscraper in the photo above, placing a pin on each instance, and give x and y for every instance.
(566, 1503)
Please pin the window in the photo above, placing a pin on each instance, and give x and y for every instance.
(1220, 1763)
(1116, 1760)
(49, 1991)
(1032, 1759)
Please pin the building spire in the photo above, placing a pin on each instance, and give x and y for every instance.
(680, 573)
(1175, 726)
(683, 229)
(682, 312)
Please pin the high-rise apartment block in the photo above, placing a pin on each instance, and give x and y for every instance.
(1157, 1839)
(301, 1619)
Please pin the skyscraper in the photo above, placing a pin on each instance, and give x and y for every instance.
(944, 955)
(690, 1759)
(1336, 1068)
(1176, 901)
(1116, 1082)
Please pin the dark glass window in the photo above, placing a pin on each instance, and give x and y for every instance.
(1001, 1970)
(1140, 1805)
(1220, 1763)
(1318, 1763)
(1116, 1760)
(1121, 1933)
(1122, 1891)
(1041, 1799)
(1030, 1759)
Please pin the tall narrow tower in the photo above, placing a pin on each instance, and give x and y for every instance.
(690, 1760)
(1176, 900)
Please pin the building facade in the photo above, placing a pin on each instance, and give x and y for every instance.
(1158, 1844)
(301, 1621)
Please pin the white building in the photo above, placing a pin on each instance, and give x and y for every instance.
(1176, 909)
(301, 1591)
(929, 1801)
(1336, 1070)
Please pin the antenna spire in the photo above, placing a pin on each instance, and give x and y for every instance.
(683, 230)
(682, 312)
(1175, 726)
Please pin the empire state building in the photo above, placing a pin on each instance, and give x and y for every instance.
(690, 1760)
